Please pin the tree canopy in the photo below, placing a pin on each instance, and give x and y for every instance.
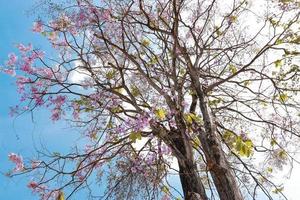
(207, 90)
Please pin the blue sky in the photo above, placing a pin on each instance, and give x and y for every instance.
(14, 134)
(23, 134)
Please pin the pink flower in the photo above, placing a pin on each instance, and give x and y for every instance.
(56, 114)
(133, 170)
(35, 164)
(21, 82)
(10, 72)
(18, 160)
(26, 67)
(12, 59)
(76, 110)
(37, 54)
(53, 36)
(23, 48)
(37, 27)
(32, 185)
(79, 174)
(59, 101)
(45, 72)
(13, 111)
(166, 197)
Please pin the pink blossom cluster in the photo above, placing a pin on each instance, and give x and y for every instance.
(138, 166)
(10, 71)
(95, 160)
(91, 14)
(140, 123)
(165, 197)
(76, 110)
(10, 63)
(23, 48)
(38, 27)
(12, 59)
(17, 160)
(58, 102)
(144, 165)
(26, 61)
(21, 82)
(43, 191)
(164, 149)
(34, 81)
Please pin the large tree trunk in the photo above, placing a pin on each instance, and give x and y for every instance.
(191, 183)
(192, 186)
(220, 169)
(190, 180)
(221, 172)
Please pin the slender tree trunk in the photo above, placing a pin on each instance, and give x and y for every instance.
(220, 169)
(192, 186)
(191, 183)
(221, 172)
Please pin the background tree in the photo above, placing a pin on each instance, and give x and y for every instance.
(213, 84)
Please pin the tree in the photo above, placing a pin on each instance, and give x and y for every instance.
(148, 81)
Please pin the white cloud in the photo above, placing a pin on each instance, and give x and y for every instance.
(79, 74)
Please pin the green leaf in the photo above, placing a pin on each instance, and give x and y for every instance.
(214, 102)
(233, 18)
(116, 109)
(111, 74)
(110, 124)
(228, 136)
(246, 83)
(182, 71)
(269, 169)
(282, 154)
(196, 142)
(283, 97)
(238, 144)
(134, 136)
(243, 148)
(165, 189)
(145, 42)
(56, 154)
(153, 60)
(218, 31)
(191, 117)
(279, 41)
(61, 196)
(278, 63)
(134, 91)
(188, 118)
(232, 68)
(160, 113)
(44, 33)
(273, 22)
(273, 142)
(278, 190)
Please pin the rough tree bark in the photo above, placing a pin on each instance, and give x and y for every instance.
(190, 180)
(219, 168)
(191, 184)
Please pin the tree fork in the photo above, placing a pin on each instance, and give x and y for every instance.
(219, 168)
(191, 183)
